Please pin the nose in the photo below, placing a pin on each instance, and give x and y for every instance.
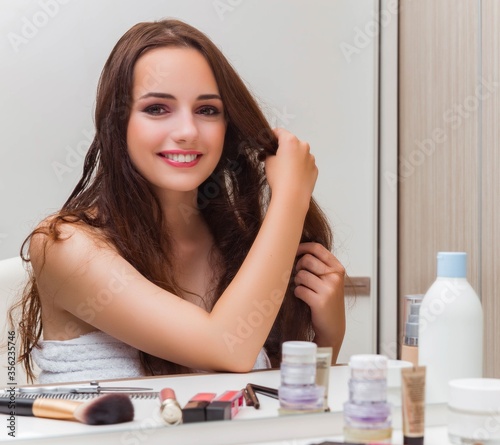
(185, 129)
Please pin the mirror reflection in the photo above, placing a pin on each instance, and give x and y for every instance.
(294, 63)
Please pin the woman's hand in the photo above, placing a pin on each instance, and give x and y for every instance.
(292, 171)
(320, 284)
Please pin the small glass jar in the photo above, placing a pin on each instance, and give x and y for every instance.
(367, 415)
(474, 411)
(298, 390)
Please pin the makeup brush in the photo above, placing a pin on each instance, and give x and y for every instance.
(103, 410)
(269, 392)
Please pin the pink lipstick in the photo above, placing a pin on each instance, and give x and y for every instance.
(170, 409)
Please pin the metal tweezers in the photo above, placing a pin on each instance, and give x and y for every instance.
(91, 388)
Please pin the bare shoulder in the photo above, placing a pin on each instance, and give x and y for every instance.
(65, 247)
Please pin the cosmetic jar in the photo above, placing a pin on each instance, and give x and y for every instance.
(367, 415)
(474, 411)
(298, 390)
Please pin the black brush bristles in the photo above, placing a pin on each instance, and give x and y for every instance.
(106, 410)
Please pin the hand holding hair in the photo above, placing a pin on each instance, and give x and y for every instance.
(319, 282)
(292, 171)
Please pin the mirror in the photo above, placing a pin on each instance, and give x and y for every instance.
(312, 66)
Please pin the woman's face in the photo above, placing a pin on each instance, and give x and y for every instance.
(176, 128)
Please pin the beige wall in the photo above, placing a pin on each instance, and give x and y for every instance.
(448, 148)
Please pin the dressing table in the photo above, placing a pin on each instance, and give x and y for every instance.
(250, 426)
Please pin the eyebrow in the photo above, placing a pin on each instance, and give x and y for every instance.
(170, 96)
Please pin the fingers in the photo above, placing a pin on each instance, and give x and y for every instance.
(319, 272)
(280, 132)
(323, 286)
(309, 286)
(308, 296)
(292, 172)
(319, 283)
(285, 138)
(318, 259)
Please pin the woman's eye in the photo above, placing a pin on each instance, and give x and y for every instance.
(155, 110)
(209, 111)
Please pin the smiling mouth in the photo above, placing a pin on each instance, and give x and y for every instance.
(179, 157)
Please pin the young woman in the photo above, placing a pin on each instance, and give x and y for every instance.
(191, 242)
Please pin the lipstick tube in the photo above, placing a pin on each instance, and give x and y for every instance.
(195, 409)
(226, 406)
(170, 410)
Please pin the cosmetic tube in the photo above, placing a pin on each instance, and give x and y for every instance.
(323, 364)
(196, 409)
(170, 410)
(413, 404)
(225, 406)
(409, 349)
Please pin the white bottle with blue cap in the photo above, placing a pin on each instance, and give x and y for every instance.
(450, 327)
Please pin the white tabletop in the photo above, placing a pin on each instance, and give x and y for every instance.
(251, 426)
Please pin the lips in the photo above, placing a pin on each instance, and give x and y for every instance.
(180, 158)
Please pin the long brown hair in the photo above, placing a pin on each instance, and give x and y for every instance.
(114, 198)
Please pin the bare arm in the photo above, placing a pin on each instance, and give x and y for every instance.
(97, 285)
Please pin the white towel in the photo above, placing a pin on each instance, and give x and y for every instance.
(93, 356)
(262, 361)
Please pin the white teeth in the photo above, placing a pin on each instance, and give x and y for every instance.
(178, 157)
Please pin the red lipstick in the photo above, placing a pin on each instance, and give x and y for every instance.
(226, 406)
(195, 409)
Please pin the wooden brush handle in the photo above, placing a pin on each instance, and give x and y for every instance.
(55, 409)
